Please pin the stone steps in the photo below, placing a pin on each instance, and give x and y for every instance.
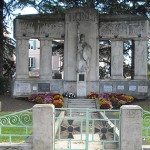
(78, 104)
(81, 103)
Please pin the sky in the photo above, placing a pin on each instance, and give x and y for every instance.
(25, 11)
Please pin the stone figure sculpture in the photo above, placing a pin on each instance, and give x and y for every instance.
(84, 52)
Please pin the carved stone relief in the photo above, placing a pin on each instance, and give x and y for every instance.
(122, 29)
(39, 28)
(80, 14)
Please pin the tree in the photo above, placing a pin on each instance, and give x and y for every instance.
(58, 47)
(104, 59)
(1, 37)
(7, 45)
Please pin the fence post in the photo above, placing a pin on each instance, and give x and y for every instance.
(43, 127)
(131, 127)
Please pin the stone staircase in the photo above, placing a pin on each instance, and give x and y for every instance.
(78, 106)
(82, 103)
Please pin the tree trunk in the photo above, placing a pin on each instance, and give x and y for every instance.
(1, 38)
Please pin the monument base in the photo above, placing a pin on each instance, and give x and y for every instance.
(26, 87)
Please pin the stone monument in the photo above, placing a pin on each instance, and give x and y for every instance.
(81, 29)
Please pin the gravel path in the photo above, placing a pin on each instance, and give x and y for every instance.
(9, 104)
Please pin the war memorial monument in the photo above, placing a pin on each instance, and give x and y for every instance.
(81, 29)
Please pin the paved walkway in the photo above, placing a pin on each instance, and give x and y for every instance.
(9, 104)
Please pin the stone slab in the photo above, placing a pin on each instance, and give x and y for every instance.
(43, 87)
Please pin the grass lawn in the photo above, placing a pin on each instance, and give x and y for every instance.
(146, 126)
(15, 127)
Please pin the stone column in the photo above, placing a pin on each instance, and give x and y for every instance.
(46, 59)
(22, 58)
(43, 127)
(140, 69)
(131, 127)
(117, 59)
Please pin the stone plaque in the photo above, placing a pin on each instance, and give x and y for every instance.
(81, 77)
(142, 89)
(108, 88)
(120, 87)
(132, 88)
(34, 88)
(23, 88)
(43, 87)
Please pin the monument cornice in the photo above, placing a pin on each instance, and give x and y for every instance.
(44, 17)
(53, 25)
(106, 17)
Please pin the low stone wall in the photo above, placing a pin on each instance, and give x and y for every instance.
(25, 146)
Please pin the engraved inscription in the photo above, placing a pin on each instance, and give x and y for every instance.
(122, 28)
(133, 114)
(82, 16)
(24, 88)
(39, 28)
(43, 87)
(112, 28)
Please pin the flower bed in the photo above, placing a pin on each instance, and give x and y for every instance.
(113, 100)
(50, 98)
(92, 95)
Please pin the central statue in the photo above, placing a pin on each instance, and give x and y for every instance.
(84, 52)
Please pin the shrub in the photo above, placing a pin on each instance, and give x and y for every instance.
(92, 95)
(114, 100)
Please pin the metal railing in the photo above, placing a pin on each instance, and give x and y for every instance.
(88, 128)
(16, 127)
(146, 130)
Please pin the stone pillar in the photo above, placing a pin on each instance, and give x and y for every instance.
(76, 21)
(22, 58)
(43, 127)
(131, 127)
(116, 59)
(140, 69)
(46, 59)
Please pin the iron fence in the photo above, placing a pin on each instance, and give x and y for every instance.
(16, 127)
(146, 130)
(83, 128)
